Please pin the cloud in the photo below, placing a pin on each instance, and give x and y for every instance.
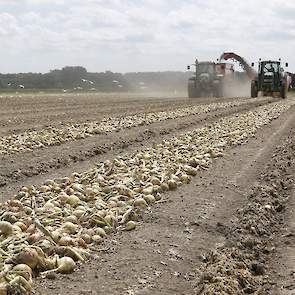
(128, 35)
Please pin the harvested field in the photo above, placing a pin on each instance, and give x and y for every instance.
(158, 195)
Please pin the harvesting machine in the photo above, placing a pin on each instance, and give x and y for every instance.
(270, 80)
(209, 79)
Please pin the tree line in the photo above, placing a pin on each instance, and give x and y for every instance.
(76, 78)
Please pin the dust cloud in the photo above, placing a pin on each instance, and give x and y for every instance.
(238, 89)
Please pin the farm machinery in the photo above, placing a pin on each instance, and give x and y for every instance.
(270, 80)
(209, 79)
(212, 78)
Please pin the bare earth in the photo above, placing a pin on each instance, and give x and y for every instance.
(165, 254)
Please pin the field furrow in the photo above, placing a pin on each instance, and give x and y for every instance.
(31, 140)
(70, 216)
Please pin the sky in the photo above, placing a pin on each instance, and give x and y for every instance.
(141, 35)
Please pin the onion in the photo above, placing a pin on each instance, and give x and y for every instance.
(80, 242)
(80, 207)
(191, 170)
(44, 189)
(73, 200)
(130, 225)
(49, 263)
(31, 228)
(87, 238)
(100, 231)
(184, 178)
(56, 234)
(194, 162)
(16, 229)
(150, 199)
(78, 187)
(172, 184)
(66, 241)
(175, 178)
(112, 204)
(140, 202)
(109, 219)
(6, 228)
(21, 225)
(158, 197)
(79, 213)
(148, 190)
(89, 191)
(121, 204)
(49, 205)
(156, 189)
(164, 187)
(69, 227)
(97, 239)
(45, 245)
(21, 281)
(25, 189)
(33, 238)
(72, 219)
(63, 198)
(9, 217)
(90, 232)
(15, 203)
(155, 181)
(69, 191)
(65, 265)
(23, 270)
(28, 256)
(124, 190)
(50, 182)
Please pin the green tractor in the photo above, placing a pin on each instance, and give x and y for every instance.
(207, 80)
(270, 80)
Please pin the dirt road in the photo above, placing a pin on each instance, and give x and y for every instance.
(181, 242)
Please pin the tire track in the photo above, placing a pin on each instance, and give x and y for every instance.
(241, 264)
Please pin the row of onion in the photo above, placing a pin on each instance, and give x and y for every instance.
(31, 140)
(56, 226)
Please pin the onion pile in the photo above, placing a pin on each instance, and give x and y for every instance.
(55, 226)
(31, 140)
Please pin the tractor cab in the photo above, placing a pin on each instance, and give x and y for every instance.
(205, 81)
(205, 68)
(269, 76)
(270, 69)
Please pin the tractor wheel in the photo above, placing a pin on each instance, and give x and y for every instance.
(219, 90)
(254, 92)
(283, 91)
(192, 92)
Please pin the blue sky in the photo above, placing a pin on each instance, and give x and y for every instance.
(141, 35)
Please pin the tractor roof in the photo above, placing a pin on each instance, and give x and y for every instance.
(270, 61)
(206, 62)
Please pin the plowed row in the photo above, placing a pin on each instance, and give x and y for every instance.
(75, 213)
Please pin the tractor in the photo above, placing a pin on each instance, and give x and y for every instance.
(271, 80)
(208, 79)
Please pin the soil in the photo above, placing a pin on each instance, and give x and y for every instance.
(32, 112)
(170, 251)
(56, 161)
